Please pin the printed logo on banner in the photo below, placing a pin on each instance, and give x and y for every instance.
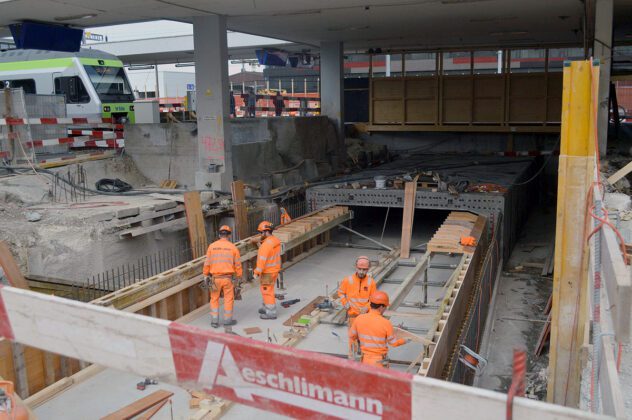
(5, 326)
(287, 381)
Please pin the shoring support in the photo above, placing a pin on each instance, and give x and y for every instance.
(576, 166)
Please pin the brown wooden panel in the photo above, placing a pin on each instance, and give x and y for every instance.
(421, 110)
(488, 110)
(385, 112)
(554, 109)
(457, 110)
(387, 88)
(456, 87)
(425, 87)
(36, 374)
(527, 85)
(489, 86)
(527, 110)
(555, 85)
(6, 361)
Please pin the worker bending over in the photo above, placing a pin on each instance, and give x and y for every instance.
(374, 332)
(268, 268)
(285, 217)
(221, 268)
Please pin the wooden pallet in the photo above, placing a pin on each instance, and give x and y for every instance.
(447, 239)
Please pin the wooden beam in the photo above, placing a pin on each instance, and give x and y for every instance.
(195, 222)
(11, 270)
(611, 394)
(139, 406)
(620, 173)
(576, 171)
(240, 210)
(409, 281)
(410, 193)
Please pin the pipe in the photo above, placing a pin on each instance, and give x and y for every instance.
(366, 237)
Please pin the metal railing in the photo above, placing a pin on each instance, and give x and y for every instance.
(474, 325)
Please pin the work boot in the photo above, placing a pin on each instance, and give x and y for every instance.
(262, 310)
(269, 313)
(215, 322)
(229, 322)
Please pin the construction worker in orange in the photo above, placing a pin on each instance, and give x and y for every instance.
(374, 332)
(354, 292)
(285, 217)
(268, 268)
(221, 268)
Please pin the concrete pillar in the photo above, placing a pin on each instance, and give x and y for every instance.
(332, 83)
(215, 166)
(602, 50)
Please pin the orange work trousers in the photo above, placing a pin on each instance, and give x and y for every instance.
(225, 285)
(267, 283)
(353, 346)
(376, 360)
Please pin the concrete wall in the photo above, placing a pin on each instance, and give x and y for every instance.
(164, 151)
(261, 146)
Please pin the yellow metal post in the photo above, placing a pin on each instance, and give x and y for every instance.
(576, 171)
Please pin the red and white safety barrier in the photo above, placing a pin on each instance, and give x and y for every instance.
(4, 154)
(97, 134)
(81, 141)
(523, 153)
(53, 121)
(285, 380)
(172, 109)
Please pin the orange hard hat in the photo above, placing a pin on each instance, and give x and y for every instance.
(225, 228)
(265, 225)
(379, 298)
(363, 262)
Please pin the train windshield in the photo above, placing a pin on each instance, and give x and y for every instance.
(110, 83)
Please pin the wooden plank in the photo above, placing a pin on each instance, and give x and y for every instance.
(410, 192)
(19, 366)
(618, 285)
(11, 270)
(609, 384)
(176, 224)
(409, 281)
(195, 222)
(152, 411)
(239, 207)
(620, 173)
(148, 215)
(139, 406)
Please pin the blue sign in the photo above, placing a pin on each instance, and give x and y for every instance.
(190, 86)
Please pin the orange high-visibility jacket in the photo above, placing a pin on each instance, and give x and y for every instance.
(355, 292)
(374, 332)
(222, 257)
(269, 256)
(285, 218)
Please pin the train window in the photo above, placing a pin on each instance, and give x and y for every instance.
(27, 84)
(73, 88)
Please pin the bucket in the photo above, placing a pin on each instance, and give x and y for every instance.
(380, 182)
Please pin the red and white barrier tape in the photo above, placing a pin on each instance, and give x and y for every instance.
(176, 109)
(52, 121)
(97, 134)
(523, 153)
(81, 141)
(285, 380)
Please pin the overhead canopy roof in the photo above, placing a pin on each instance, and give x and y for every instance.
(179, 49)
(359, 23)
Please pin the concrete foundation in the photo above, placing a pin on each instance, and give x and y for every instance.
(268, 152)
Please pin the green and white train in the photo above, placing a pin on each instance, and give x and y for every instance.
(94, 82)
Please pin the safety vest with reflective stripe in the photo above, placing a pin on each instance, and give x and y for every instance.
(354, 292)
(269, 256)
(374, 332)
(222, 258)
